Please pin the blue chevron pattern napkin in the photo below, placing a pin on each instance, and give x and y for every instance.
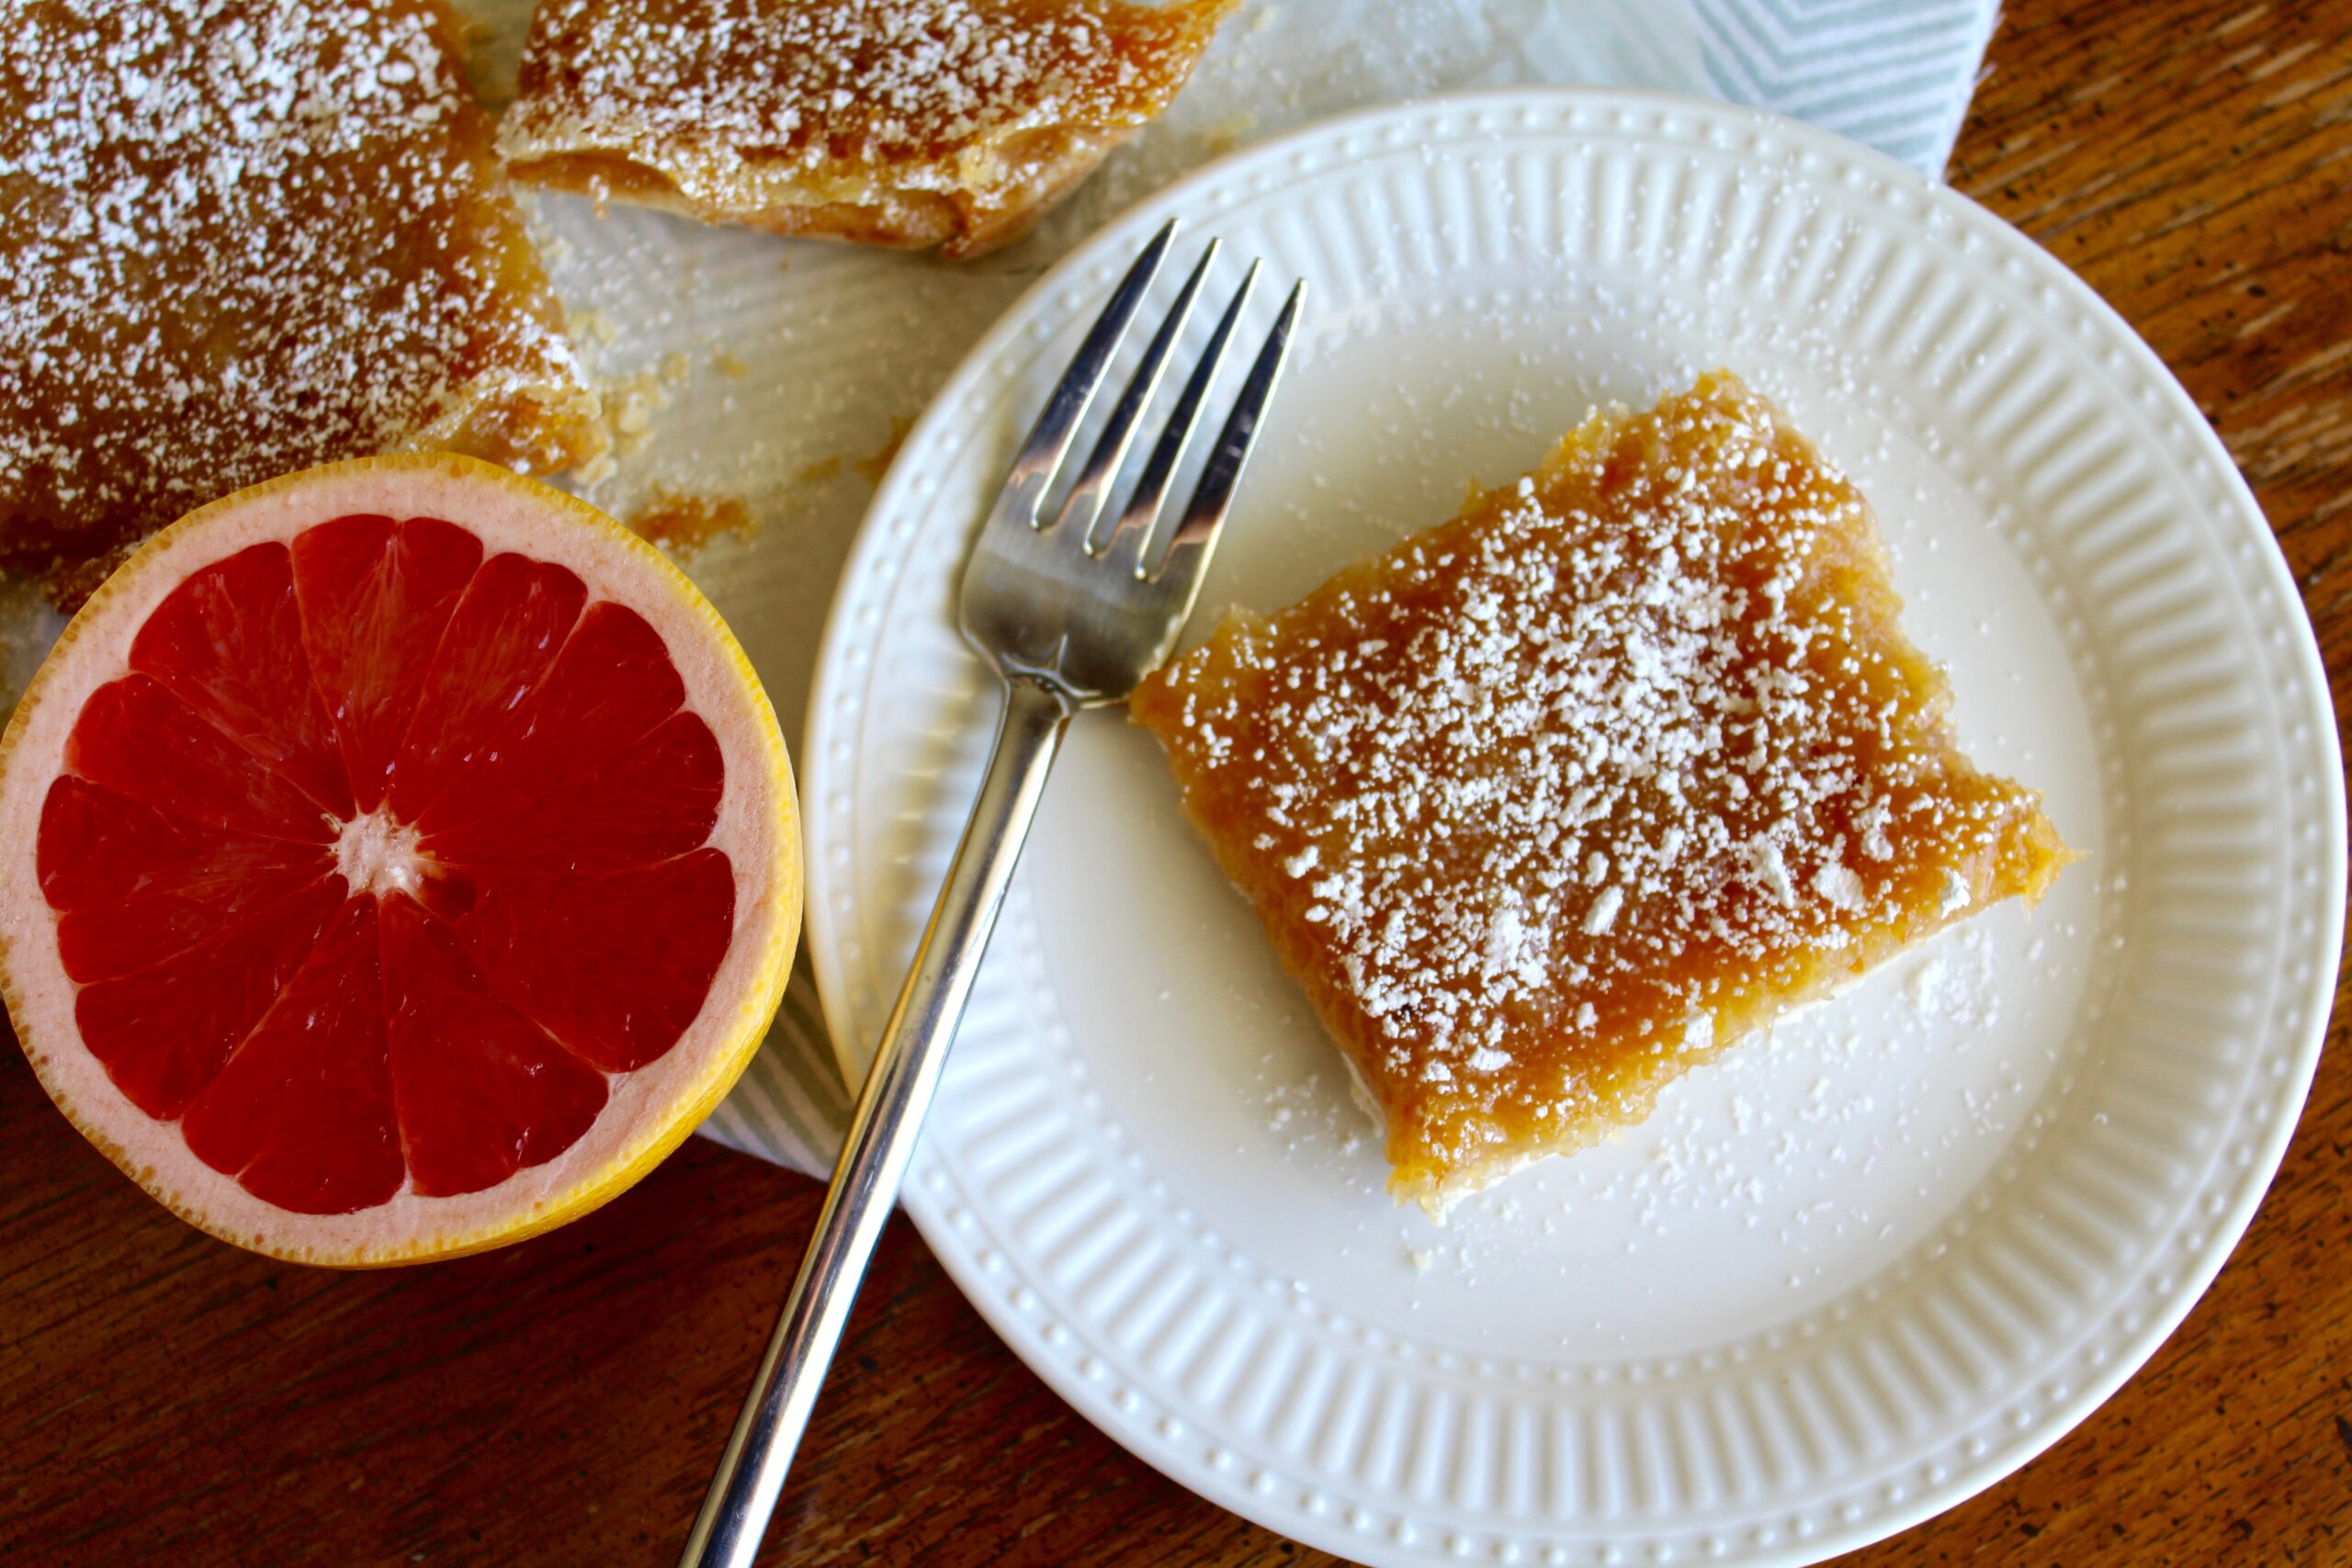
(1894, 75)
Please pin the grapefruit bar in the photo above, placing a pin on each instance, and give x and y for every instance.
(1550, 803)
(245, 236)
(909, 123)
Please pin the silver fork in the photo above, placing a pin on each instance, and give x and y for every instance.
(1070, 617)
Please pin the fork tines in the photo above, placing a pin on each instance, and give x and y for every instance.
(1041, 456)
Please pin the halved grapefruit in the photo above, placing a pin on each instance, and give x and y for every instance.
(397, 859)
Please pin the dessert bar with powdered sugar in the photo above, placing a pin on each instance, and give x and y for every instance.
(247, 236)
(1553, 801)
(908, 123)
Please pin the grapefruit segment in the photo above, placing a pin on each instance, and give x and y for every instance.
(228, 642)
(164, 1032)
(133, 884)
(301, 1112)
(657, 799)
(138, 739)
(611, 682)
(396, 859)
(503, 636)
(614, 966)
(482, 1091)
(376, 596)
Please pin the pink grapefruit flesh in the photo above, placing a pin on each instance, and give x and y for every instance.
(396, 859)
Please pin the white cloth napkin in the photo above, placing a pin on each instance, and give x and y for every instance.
(1896, 75)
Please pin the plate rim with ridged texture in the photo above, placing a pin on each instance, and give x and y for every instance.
(2065, 1268)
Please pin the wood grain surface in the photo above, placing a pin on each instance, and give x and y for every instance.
(164, 1399)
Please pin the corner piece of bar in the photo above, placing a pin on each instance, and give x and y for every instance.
(246, 237)
(904, 123)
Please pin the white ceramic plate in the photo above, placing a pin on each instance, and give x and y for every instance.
(1844, 1278)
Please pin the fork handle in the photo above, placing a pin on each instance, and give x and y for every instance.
(872, 1163)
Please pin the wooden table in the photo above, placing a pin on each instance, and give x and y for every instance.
(166, 1399)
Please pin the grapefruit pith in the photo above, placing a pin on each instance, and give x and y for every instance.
(397, 859)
